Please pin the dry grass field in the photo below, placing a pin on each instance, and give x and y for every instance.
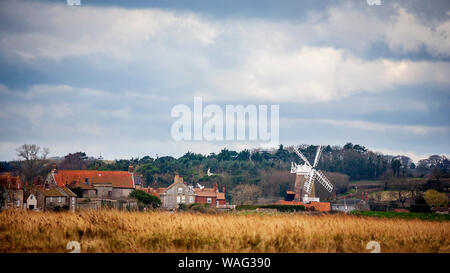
(120, 231)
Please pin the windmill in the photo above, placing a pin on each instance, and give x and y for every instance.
(306, 174)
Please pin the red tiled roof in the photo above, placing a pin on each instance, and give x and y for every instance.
(209, 192)
(221, 195)
(78, 184)
(10, 181)
(118, 179)
(206, 192)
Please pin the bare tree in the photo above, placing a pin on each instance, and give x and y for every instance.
(436, 172)
(33, 161)
(245, 194)
(402, 197)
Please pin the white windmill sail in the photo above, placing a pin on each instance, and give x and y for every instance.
(311, 173)
(301, 156)
(316, 160)
(324, 181)
(309, 182)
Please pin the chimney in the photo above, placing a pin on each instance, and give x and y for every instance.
(178, 179)
(130, 169)
(223, 189)
(54, 169)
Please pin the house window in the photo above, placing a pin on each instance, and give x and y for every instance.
(59, 199)
(73, 200)
(109, 193)
(180, 190)
(18, 203)
(51, 199)
(209, 200)
(183, 199)
(191, 199)
(178, 199)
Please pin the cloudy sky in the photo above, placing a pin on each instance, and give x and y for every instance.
(103, 77)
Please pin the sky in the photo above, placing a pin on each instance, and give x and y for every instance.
(103, 77)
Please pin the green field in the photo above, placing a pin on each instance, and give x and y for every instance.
(404, 215)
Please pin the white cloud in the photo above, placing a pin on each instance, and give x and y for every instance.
(402, 31)
(57, 31)
(373, 126)
(306, 61)
(315, 74)
(407, 34)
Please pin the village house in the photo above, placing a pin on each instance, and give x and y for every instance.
(181, 193)
(96, 189)
(96, 184)
(51, 197)
(29, 201)
(177, 193)
(83, 190)
(210, 196)
(11, 189)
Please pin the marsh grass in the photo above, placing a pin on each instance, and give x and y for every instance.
(121, 231)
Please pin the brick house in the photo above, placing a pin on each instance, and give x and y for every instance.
(11, 188)
(210, 196)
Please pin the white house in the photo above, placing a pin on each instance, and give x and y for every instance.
(30, 201)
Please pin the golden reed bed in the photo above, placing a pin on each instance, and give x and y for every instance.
(119, 231)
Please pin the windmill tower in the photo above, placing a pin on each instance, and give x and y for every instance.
(306, 174)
